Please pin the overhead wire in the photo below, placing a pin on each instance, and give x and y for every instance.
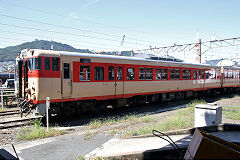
(21, 40)
(71, 34)
(54, 38)
(79, 29)
(53, 13)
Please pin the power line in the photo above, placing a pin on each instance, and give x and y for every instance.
(57, 39)
(184, 47)
(81, 35)
(66, 26)
(190, 46)
(13, 39)
(56, 25)
(21, 41)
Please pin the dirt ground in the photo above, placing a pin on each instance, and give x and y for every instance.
(9, 135)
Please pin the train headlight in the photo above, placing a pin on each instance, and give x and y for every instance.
(34, 97)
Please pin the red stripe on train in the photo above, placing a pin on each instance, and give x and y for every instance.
(121, 96)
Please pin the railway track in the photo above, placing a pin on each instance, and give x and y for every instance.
(17, 121)
(10, 112)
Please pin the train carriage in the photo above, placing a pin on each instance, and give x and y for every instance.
(83, 81)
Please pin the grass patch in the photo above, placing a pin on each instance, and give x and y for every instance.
(132, 118)
(80, 157)
(182, 119)
(88, 135)
(232, 113)
(37, 131)
(2, 109)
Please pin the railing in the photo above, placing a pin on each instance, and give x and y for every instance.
(6, 95)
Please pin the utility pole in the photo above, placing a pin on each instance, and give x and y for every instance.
(200, 52)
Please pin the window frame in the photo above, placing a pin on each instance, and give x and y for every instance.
(158, 73)
(175, 73)
(88, 73)
(99, 70)
(46, 64)
(142, 73)
(119, 73)
(55, 60)
(111, 73)
(66, 76)
(131, 78)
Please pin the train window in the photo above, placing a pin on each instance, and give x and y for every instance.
(186, 74)
(177, 74)
(199, 74)
(130, 74)
(30, 64)
(145, 73)
(47, 63)
(119, 73)
(237, 75)
(172, 74)
(142, 75)
(203, 72)
(55, 64)
(99, 73)
(37, 63)
(110, 73)
(213, 75)
(164, 74)
(149, 72)
(194, 74)
(158, 74)
(230, 74)
(208, 73)
(66, 71)
(225, 74)
(85, 74)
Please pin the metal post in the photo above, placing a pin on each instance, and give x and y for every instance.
(200, 51)
(2, 103)
(47, 107)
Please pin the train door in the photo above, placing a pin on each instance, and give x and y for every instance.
(201, 78)
(119, 81)
(66, 79)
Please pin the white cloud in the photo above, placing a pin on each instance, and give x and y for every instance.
(90, 3)
(73, 15)
(2, 9)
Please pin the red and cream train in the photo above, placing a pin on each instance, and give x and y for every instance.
(82, 81)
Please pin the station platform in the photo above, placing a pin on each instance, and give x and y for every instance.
(141, 147)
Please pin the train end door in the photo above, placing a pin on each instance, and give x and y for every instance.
(66, 79)
(119, 81)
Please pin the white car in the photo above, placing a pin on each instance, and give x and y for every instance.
(9, 83)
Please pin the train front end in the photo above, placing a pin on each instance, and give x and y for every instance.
(37, 77)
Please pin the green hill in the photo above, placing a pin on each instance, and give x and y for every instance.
(10, 53)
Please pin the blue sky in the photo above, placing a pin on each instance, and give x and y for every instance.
(100, 24)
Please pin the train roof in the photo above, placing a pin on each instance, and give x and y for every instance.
(39, 52)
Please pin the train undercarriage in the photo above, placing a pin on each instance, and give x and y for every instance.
(73, 107)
